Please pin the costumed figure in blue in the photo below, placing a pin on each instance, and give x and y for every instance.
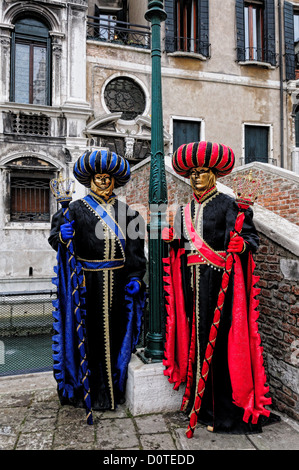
(108, 251)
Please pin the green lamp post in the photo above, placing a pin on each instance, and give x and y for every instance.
(157, 193)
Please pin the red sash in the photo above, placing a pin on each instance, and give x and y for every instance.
(206, 254)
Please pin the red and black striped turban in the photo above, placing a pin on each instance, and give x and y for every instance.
(218, 157)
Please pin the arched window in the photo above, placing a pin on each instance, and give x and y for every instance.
(30, 62)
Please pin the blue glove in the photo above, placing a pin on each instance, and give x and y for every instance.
(67, 231)
(133, 287)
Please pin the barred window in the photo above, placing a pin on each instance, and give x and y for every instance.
(30, 199)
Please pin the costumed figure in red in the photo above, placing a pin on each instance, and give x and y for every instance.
(101, 295)
(212, 342)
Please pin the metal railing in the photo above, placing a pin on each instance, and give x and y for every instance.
(185, 44)
(118, 32)
(26, 331)
(256, 54)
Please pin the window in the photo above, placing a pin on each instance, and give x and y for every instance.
(254, 26)
(255, 21)
(110, 23)
(187, 26)
(30, 199)
(256, 144)
(30, 62)
(126, 96)
(184, 132)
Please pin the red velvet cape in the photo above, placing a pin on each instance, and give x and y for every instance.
(245, 359)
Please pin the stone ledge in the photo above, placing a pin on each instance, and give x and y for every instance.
(148, 390)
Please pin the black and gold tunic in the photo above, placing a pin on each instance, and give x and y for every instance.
(213, 219)
(108, 266)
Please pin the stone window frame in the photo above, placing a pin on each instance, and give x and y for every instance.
(138, 82)
(51, 170)
(33, 42)
(57, 38)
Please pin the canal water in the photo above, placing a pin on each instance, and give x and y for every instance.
(25, 354)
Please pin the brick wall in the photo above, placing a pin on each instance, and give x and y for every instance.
(136, 192)
(279, 323)
(279, 189)
(279, 297)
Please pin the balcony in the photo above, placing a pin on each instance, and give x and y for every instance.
(182, 45)
(110, 30)
(256, 55)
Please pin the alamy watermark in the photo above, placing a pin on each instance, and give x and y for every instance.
(132, 221)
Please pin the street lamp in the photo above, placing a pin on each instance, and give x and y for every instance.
(154, 350)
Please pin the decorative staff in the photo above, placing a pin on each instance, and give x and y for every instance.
(62, 190)
(246, 193)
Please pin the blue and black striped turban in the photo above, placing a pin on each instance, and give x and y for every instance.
(101, 161)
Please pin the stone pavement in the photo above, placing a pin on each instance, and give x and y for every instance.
(31, 418)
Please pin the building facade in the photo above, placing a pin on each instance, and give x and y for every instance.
(77, 74)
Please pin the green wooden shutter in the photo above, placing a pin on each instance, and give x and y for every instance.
(185, 132)
(269, 23)
(170, 25)
(256, 144)
(203, 17)
(289, 40)
(240, 40)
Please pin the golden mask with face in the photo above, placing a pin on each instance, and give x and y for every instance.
(102, 184)
(201, 180)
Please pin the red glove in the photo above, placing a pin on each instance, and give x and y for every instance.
(236, 244)
(168, 234)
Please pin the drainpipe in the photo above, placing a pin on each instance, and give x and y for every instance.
(281, 87)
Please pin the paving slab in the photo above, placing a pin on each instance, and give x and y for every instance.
(276, 437)
(205, 440)
(32, 418)
(149, 424)
(158, 442)
(119, 433)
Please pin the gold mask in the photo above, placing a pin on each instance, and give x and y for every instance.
(102, 184)
(201, 180)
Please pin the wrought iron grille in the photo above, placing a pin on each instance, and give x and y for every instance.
(30, 199)
(108, 29)
(126, 96)
(26, 332)
(185, 44)
(256, 54)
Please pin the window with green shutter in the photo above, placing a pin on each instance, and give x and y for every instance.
(255, 21)
(187, 26)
